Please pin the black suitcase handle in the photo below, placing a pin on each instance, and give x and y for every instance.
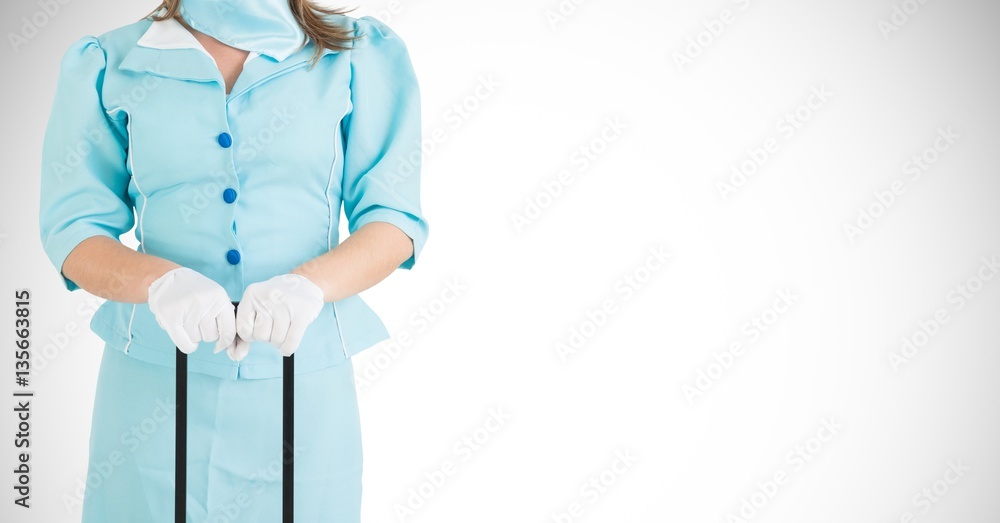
(287, 436)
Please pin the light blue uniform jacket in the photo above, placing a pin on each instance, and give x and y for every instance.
(239, 187)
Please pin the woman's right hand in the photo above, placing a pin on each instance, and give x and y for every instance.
(192, 308)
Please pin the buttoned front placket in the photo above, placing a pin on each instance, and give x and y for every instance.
(255, 73)
(233, 255)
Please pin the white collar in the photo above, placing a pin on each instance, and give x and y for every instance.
(170, 34)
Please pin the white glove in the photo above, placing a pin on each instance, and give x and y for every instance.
(192, 308)
(277, 311)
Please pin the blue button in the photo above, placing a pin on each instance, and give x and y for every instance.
(225, 140)
(229, 195)
(233, 256)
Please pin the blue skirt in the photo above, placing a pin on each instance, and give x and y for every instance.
(234, 446)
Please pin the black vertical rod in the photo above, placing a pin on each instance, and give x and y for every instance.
(288, 437)
(180, 440)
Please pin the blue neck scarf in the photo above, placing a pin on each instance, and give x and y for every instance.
(265, 26)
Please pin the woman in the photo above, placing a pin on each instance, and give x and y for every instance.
(230, 134)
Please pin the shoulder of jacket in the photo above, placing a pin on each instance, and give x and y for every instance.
(378, 35)
(375, 27)
(114, 44)
(365, 27)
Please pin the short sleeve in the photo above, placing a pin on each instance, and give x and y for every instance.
(382, 132)
(84, 179)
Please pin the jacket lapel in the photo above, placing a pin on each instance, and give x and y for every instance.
(181, 64)
(167, 49)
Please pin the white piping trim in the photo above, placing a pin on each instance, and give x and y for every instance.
(130, 318)
(145, 200)
(131, 165)
(336, 317)
(329, 233)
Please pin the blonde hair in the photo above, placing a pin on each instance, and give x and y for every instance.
(310, 17)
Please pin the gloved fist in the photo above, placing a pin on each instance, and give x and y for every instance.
(192, 308)
(277, 311)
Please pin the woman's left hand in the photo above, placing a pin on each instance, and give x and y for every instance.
(277, 311)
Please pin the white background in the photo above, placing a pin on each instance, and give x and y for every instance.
(493, 346)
